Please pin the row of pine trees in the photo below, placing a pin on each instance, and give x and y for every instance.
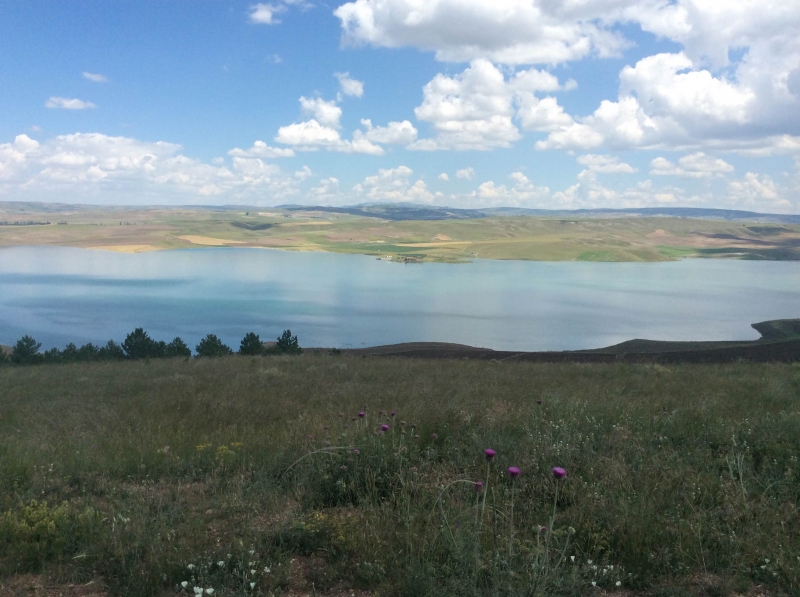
(139, 345)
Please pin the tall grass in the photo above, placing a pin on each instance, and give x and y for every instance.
(257, 476)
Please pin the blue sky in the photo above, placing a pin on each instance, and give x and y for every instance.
(582, 103)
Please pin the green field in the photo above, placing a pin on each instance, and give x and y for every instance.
(449, 240)
(138, 476)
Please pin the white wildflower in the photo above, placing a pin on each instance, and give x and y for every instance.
(191, 566)
(209, 591)
(252, 585)
(619, 583)
(198, 590)
(221, 563)
(267, 570)
(572, 558)
(594, 584)
(252, 571)
(184, 584)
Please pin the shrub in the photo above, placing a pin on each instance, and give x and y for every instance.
(287, 344)
(251, 345)
(26, 351)
(211, 346)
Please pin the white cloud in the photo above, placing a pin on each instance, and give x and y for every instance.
(303, 174)
(504, 31)
(443, 176)
(65, 103)
(326, 113)
(476, 108)
(310, 135)
(395, 133)
(606, 164)
(91, 166)
(757, 192)
(264, 14)
(696, 165)
(466, 173)
(262, 150)
(97, 78)
(394, 184)
(522, 193)
(350, 86)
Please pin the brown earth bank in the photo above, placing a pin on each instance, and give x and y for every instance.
(780, 342)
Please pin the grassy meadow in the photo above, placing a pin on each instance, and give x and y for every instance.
(518, 237)
(256, 476)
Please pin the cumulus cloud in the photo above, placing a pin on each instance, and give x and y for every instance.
(350, 86)
(266, 14)
(503, 31)
(696, 165)
(95, 77)
(122, 169)
(65, 103)
(326, 113)
(476, 108)
(394, 184)
(262, 150)
(757, 192)
(466, 173)
(606, 164)
(521, 193)
(394, 133)
(443, 176)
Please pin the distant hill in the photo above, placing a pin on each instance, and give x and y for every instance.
(406, 211)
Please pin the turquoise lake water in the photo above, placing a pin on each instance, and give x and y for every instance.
(59, 295)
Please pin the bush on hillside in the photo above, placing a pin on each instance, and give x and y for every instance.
(211, 346)
(287, 344)
(251, 345)
(26, 351)
(111, 352)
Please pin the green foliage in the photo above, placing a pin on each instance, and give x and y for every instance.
(111, 352)
(251, 345)
(139, 345)
(287, 344)
(177, 348)
(36, 533)
(26, 351)
(211, 346)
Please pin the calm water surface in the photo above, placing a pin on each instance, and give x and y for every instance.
(60, 295)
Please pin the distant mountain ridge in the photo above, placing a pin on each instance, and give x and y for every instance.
(410, 211)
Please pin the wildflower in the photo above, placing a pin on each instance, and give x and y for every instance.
(221, 563)
(391, 414)
(479, 486)
(514, 472)
(267, 570)
(362, 414)
(252, 571)
(356, 451)
(184, 584)
(309, 436)
(594, 584)
(619, 583)
(326, 427)
(252, 585)
(343, 467)
(559, 473)
(543, 529)
(209, 591)
(572, 559)
(539, 401)
(490, 454)
(384, 428)
(434, 436)
(589, 562)
(198, 590)
(190, 566)
(413, 469)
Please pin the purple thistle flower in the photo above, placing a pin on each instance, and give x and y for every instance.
(414, 469)
(384, 428)
(490, 454)
(392, 413)
(309, 436)
(539, 401)
(559, 473)
(362, 414)
(343, 467)
(479, 486)
(356, 451)
(514, 472)
(434, 436)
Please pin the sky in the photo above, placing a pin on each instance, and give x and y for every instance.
(558, 104)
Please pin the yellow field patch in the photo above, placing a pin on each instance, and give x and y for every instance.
(210, 242)
(126, 248)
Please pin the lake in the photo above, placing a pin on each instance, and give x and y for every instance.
(61, 295)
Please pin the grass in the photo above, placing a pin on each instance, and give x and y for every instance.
(221, 473)
(519, 237)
